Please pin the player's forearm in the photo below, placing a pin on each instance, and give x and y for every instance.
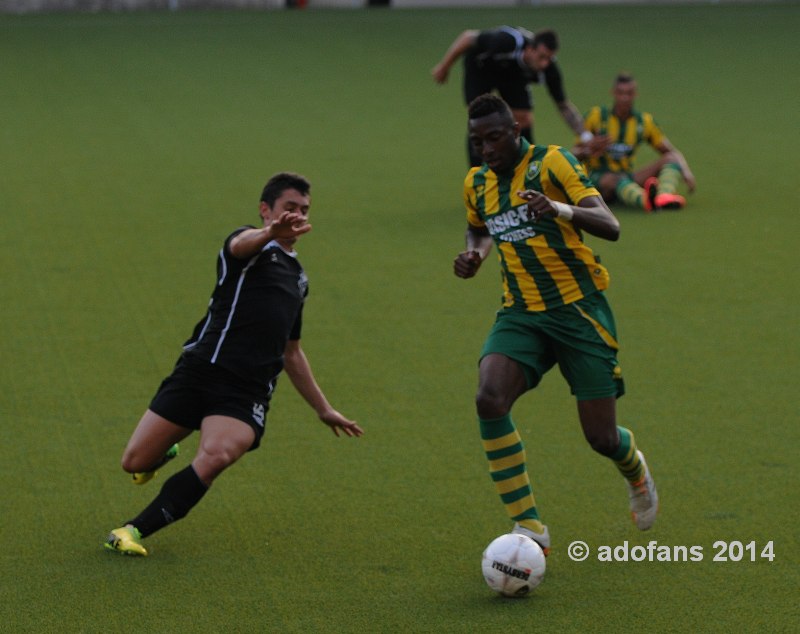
(249, 242)
(479, 242)
(572, 116)
(460, 45)
(299, 371)
(593, 216)
(681, 161)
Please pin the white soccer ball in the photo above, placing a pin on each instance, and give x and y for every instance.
(513, 565)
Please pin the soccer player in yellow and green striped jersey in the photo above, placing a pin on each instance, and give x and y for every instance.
(608, 147)
(533, 202)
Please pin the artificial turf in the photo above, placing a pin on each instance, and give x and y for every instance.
(133, 143)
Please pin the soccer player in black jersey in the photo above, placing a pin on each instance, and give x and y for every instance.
(506, 60)
(223, 381)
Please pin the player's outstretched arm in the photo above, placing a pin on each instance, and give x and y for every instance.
(460, 45)
(299, 371)
(250, 241)
(571, 115)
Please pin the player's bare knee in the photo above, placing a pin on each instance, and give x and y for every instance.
(607, 185)
(668, 157)
(604, 444)
(215, 462)
(134, 463)
(127, 463)
(211, 461)
(491, 403)
(132, 460)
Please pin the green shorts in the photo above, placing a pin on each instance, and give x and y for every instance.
(581, 337)
(596, 174)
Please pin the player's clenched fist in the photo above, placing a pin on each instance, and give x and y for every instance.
(467, 264)
(538, 204)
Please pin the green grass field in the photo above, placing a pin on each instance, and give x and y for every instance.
(131, 145)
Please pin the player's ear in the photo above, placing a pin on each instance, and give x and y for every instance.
(264, 210)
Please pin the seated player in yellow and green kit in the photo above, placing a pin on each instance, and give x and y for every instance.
(534, 203)
(609, 155)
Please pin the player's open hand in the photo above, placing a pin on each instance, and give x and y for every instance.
(290, 224)
(539, 205)
(598, 144)
(337, 422)
(466, 264)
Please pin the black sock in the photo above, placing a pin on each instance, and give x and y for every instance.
(178, 496)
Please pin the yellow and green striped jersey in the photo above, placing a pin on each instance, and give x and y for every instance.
(544, 264)
(626, 137)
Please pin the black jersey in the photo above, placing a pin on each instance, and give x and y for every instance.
(256, 307)
(498, 53)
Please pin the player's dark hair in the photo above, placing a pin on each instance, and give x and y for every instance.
(282, 181)
(488, 104)
(548, 37)
(624, 78)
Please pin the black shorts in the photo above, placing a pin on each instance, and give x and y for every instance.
(197, 389)
(511, 85)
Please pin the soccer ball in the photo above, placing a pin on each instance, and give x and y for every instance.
(513, 565)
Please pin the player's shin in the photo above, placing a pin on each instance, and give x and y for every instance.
(177, 497)
(507, 466)
(626, 457)
(669, 178)
(630, 193)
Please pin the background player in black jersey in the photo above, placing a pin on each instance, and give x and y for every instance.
(224, 379)
(506, 60)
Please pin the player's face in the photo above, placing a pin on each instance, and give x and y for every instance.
(496, 139)
(538, 58)
(624, 94)
(291, 201)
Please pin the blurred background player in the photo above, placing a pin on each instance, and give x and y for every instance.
(608, 154)
(506, 60)
(533, 202)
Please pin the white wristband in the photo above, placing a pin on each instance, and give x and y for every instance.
(586, 136)
(563, 211)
